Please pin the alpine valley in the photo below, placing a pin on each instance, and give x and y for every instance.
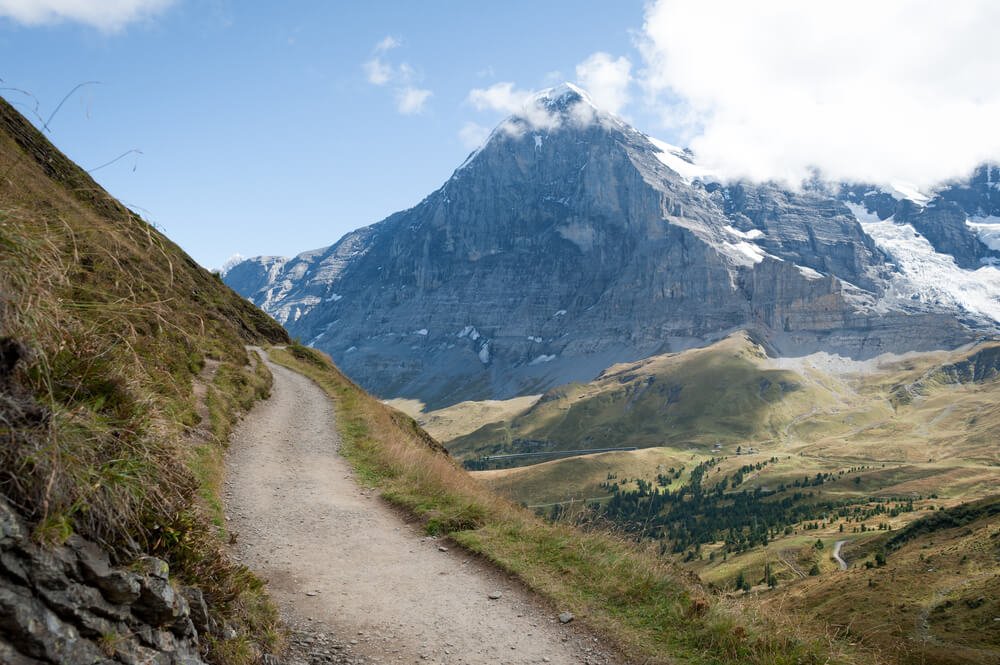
(773, 385)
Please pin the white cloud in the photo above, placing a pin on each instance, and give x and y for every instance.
(411, 100)
(505, 98)
(386, 44)
(861, 90)
(499, 97)
(606, 79)
(472, 135)
(377, 71)
(107, 15)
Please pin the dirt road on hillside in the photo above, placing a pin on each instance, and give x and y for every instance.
(836, 554)
(357, 583)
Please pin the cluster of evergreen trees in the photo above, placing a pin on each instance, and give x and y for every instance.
(700, 512)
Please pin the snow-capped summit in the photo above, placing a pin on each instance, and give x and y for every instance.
(569, 236)
(564, 95)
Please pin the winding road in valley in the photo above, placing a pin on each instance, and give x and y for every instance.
(836, 554)
(355, 582)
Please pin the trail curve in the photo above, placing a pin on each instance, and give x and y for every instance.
(351, 577)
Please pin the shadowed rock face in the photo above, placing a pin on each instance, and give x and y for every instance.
(567, 244)
(69, 605)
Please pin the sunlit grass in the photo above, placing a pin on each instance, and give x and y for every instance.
(116, 323)
(653, 611)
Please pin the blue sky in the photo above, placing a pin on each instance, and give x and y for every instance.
(259, 129)
(275, 128)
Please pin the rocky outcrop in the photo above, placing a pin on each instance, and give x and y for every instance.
(980, 366)
(571, 241)
(68, 605)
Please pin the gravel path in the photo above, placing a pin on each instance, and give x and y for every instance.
(836, 554)
(355, 582)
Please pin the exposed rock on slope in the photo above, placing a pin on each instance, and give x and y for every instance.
(69, 605)
(571, 241)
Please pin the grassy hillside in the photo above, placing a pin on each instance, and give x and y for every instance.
(932, 406)
(722, 393)
(653, 610)
(935, 600)
(877, 446)
(123, 367)
(463, 418)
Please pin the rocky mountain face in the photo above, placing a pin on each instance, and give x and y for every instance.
(571, 241)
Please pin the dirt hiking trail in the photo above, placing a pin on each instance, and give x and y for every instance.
(355, 582)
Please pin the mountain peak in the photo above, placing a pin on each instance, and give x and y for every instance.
(564, 95)
(563, 105)
(550, 109)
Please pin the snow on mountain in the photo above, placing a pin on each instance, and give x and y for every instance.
(903, 190)
(988, 230)
(679, 161)
(928, 276)
(233, 260)
(571, 241)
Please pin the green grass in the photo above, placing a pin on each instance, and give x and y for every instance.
(117, 323)
(722, 393)
(654, 612)
(581, 477)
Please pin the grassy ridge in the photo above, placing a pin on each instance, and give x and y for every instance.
(655, 612)
(721, 393)
(113, 326)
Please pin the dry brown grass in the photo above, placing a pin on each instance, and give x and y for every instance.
(651, 609)
(934, 602)
(117, 322)
(465, 417)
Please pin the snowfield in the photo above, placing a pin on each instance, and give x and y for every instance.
(988, 230)
(927, 276)
(675, 159)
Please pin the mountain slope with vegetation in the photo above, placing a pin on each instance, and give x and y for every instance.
(890, 463)
(123, 368)
(653, 610)
(931, 591)
(913, 408)
(724, 393)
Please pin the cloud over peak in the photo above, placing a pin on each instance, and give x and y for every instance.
(859, 90)
(606, 79)
(530, 109)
